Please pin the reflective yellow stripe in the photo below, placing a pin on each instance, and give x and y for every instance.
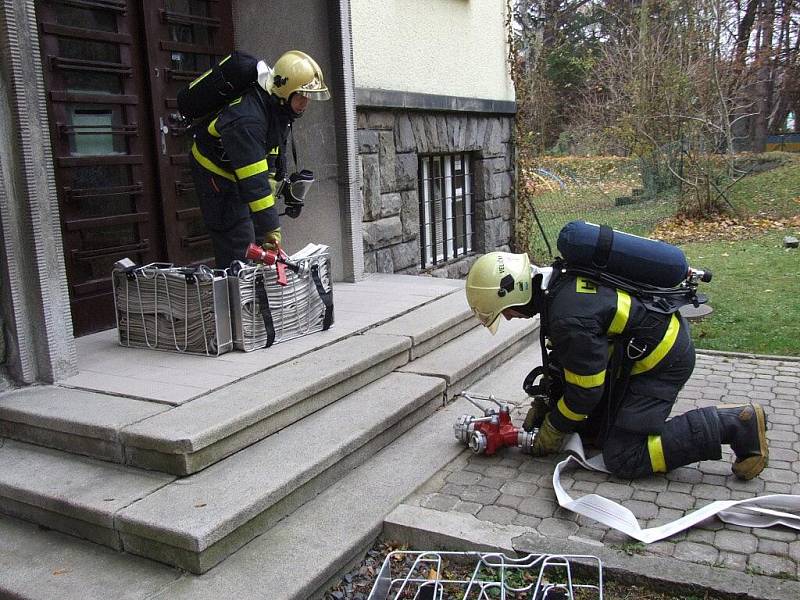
(207, 164)
(623, 312)
(585, 381)
(564, 410)
(239, 99)
(224, 60)
(252, 169)
(199, 79)
(274, 151)
(656, 450)
(212, 128)
(262, 203)
(664, 346)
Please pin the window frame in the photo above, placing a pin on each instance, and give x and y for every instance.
(445, 181)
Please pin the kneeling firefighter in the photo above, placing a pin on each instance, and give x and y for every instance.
(238, 155)
(624, 405)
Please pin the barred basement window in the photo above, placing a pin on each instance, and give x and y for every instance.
(446, 212)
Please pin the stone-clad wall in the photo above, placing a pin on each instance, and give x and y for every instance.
(389, 144)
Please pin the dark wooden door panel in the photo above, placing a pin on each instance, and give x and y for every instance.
(184, 39)
(112, 71)
(99, 114)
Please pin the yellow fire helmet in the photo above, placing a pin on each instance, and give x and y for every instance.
(497, 281)
(294, 71)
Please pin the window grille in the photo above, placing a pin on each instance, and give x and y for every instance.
(446, 207)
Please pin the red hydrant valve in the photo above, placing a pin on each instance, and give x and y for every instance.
(492, 431)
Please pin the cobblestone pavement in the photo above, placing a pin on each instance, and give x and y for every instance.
(512, 488)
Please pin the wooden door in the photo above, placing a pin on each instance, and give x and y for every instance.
(112, 71)
(184, 39)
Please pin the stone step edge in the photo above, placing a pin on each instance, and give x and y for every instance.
(188, 463)
(325, 536)
(109, 447)
(428, 529)
(497, 351)
(338, 442)
(90, 524)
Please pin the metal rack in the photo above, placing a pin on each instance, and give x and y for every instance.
(297, 309)
(178, 309)
(492, 576)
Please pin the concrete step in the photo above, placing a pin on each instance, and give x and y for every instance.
(296, 559)
(467, 358)
(185, 439)
(195, 522)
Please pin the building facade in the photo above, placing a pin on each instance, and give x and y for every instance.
(435, 110)
(412, 156)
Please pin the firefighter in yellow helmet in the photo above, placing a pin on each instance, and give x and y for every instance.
(622, 366)
(239, 162)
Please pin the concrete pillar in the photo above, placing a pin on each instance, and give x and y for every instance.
(35, 301)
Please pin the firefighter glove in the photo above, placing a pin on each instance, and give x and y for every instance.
(272, 239)
(548, 439)
(536, 413)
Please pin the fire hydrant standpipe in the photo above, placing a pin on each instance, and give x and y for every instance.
(492, 431)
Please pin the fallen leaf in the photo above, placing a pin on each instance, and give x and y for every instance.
(61, 571)
(200, 505)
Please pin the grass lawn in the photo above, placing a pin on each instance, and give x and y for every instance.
(755, 293)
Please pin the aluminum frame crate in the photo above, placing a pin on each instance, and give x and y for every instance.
(177, 309)
(302, 307)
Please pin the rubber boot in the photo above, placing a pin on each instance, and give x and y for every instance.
(744, 427)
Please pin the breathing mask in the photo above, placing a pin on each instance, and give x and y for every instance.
(294, 190)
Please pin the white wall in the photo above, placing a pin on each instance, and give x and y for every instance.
(445, 47)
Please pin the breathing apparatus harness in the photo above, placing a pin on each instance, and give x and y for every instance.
(545, 384)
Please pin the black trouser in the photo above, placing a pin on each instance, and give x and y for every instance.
(643, 412)
(227, 219)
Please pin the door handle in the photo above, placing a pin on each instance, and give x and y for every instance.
(164, 131)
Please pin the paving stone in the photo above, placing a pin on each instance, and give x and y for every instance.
(441, 502)
(519, 489)
(527, 521)
(697, 553)
(537, 507)
(662, 548)
(701, 536)
(558, 528)
(765, 564)
(509, 501)
(614, 491)
(501, 472)
(773, 547)
(497, 514)
(675, 500)
(467, 507)
(652, 484)
(735, 541)
(493, 482)
(685, 475)
(641, 510)
(645, 496)
(480, 495)
(711, 492)
(732, 560)
(453, 489)
(680, 487)
(464, 478)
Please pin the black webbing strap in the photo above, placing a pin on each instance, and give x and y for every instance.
(603, 249)
(263, 303)
(326, 297)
